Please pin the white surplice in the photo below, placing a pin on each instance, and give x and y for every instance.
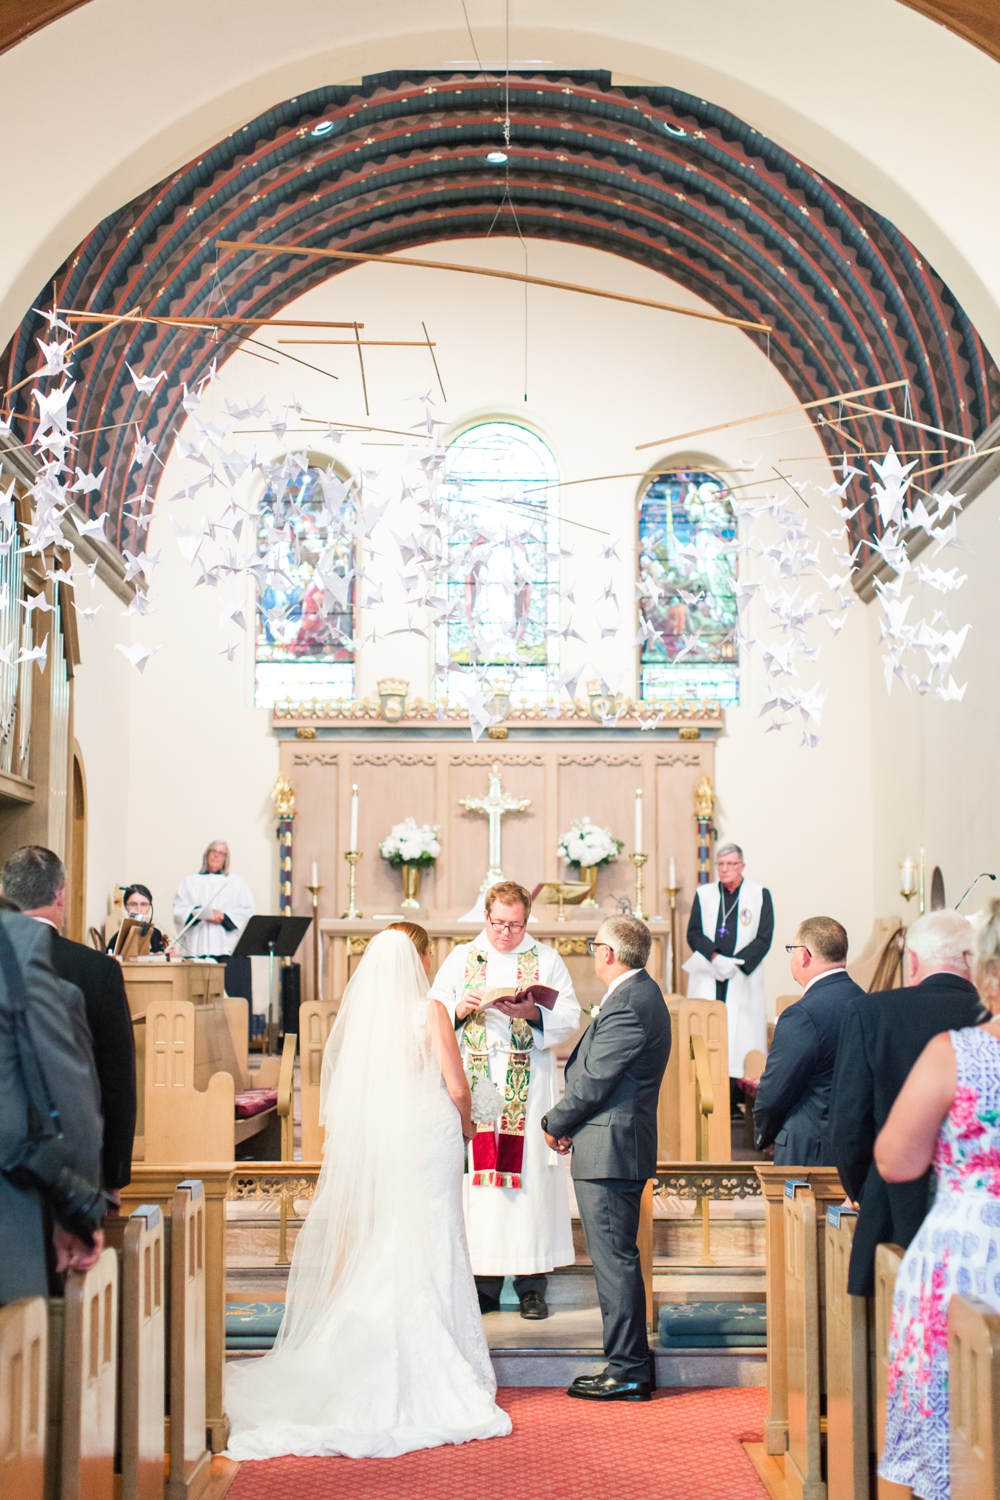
(226, 893)
(526, 1230)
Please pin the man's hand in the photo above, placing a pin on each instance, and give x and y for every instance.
(519, 1010)
(563, 1144)
(72, 1254)
(114, 1207)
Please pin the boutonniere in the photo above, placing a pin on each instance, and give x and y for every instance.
(595, 1010)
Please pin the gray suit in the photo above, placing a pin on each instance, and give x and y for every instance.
(612, 1089)
(58, 1026)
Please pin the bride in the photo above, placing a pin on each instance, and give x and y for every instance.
(381, 1349)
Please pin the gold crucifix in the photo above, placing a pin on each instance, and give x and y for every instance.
(494, 806)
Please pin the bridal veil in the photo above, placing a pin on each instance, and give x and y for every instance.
(381, 1349)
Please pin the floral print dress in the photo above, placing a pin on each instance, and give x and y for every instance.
(956, 1250)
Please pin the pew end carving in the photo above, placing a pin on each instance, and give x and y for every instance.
(847, 1425)
(678, 1116)
(888, 1259)
(974, 1398)
(23, 1380)
(190, 1461)
(85, 1461)
(316, 1018)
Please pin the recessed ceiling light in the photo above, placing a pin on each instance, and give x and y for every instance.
(497, 158)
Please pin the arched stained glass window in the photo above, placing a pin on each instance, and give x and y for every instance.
(305, 614)
(502, 561)
(687, 567)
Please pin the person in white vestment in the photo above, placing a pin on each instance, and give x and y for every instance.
(210, 911)
(729, 933)
(516, 1194)
(381, 1349)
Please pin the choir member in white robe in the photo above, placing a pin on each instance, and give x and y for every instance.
(729, 933)
(520, 1231)
(223, 901)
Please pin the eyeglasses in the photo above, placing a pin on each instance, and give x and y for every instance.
(790, 948)
(506, 926)
(592, 947)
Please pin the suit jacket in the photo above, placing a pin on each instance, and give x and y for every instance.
(793, 1100)
(110, 1022)
(881, 1038)
(613, 1085)
(58, 1027)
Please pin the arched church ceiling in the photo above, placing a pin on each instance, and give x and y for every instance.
(975, 21)
(655, 175)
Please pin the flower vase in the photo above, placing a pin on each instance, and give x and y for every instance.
(589, 873)
(411, 886)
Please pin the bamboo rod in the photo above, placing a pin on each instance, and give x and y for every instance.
(443, 265)
(782, 411)
(437, 372)
(893, 416)
(361, 362)
(376, 343)
(92, 317)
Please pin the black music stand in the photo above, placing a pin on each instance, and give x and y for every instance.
(271, 938)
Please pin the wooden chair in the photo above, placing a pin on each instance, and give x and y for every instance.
(190, 1461)
(143, 1319)
(847, 1443)
(974, 1398)
(316, 1018)
(804, 1461)
(677, 1114)
(888, 1259)
(23, 1377)
(81, 1457)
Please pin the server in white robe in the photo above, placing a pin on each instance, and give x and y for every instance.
(729, 933)
(217, 904)
(516, 1194)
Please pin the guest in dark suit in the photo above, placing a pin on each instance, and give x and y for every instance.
(881, 1038)
(793, 1098)
(35, 879)
(607, 1118)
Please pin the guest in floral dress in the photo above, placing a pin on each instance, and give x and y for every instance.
(948, 1113)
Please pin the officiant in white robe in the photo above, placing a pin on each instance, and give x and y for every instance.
(520, 1231)
(729, 933)
(220, 904)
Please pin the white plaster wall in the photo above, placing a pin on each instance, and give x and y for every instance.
(601, 378)
(892, 107)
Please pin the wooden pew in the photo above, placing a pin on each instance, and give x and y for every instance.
(677, 1115)
(974, 1398)
(83, 1377)
(316, 1018)
(23, 1356)
(825, 1186)
(847, 1438)
(143, 1368)
(190, 1461)
(888, 1259)
(804, 1461)
(157, 1183)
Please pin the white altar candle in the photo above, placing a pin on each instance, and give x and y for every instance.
(354, 820)
(315, 879)
(638, 822)
(673, 874)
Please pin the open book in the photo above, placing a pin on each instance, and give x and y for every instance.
(542, 994)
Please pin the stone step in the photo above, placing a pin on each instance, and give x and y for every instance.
(692, 1367)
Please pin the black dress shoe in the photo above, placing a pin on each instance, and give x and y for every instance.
(488, 1304)
(584, 1382)
(534, 1305)
(607, 1387)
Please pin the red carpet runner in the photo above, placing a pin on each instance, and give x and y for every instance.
(683, 1445)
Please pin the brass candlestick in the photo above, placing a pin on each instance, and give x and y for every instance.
(673, 891)
(314, 891)
(638, 860)
(352, 856)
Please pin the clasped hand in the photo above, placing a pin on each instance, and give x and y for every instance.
(563, 1143)
(723, 967)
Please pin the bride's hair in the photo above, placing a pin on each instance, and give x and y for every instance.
(418, 936)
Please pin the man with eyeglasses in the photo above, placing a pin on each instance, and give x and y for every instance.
(729, 934)
(516, 1194)
(792, 1107)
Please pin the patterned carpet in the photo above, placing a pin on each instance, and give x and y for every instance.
(683, 1445)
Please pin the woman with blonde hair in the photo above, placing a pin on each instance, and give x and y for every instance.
(948, 1113)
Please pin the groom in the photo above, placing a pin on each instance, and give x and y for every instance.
(607, 1117)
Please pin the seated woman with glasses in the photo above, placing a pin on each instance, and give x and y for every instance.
(516, 1198)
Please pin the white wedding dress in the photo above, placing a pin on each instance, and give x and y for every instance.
(381, 1350)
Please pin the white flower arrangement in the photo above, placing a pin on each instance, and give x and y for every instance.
(487, 1100)
(586, 845)
(410, 843)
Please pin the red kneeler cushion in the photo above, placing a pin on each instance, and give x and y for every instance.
(254, 1102)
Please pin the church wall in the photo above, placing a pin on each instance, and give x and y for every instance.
(911, 124)
(601, 378)
(935, 764)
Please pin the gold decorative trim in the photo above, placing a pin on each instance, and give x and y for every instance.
(572, 947)
(356, 945)
(706, 1180)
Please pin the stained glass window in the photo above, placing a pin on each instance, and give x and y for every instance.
(502, 571)
(687, 566)
(305, 615)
